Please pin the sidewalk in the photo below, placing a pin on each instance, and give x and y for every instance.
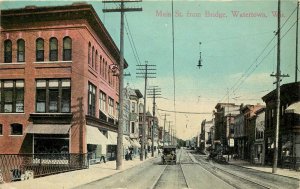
(74, 178)
(268, 169)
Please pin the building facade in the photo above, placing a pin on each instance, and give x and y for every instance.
(57, 80)
(289, 131)
(224, 123)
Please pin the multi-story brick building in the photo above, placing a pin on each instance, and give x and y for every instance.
(224, 123)
(131, 122)
(57, 80)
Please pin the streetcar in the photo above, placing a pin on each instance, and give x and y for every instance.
(169, 155)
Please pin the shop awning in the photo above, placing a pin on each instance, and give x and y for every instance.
(126, 142)
(135, 143)
(94, 136)
(293, 108)
(112, 137)
(48, 128)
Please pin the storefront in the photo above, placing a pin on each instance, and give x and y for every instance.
(96, 145)
(50, 138)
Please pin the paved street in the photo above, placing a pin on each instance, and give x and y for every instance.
(152, 174)
(191, 171)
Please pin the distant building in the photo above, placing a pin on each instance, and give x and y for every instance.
(239, 135)
(224, 123)
(131, 119)
(205, 134)
(259, 144)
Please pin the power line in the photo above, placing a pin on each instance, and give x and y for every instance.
(181, 112)
(242, 79)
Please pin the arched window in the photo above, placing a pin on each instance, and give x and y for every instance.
(21, 50)
(93, 56)
(39, 45)
(96, 61)
(53, 49)
(100, 65)
(7, 51)
(105, 70)
(67, 48)
(89, 54)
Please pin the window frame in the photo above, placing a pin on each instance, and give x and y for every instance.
(91, 99)
(41, 51)
(53, 53)
(12, 127)
(19, 52)
(110, 106)
(15, 91)
(1, 130)
(93, 57)
(67, 52)
(103, 100)
(132, 127)
(7, 54)
(89, 53)
(47, 90)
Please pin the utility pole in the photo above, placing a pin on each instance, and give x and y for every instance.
(122, 10)
(143, 73)
(278, 78)
(170, 135)
(296, 66)
(154, 91)
(164, 130)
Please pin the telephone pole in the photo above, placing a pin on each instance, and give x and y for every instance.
(122, 10)
(164, 130)
(297, 41)
(154, 91)
(278, 76)
(170, 135)
(143, 72)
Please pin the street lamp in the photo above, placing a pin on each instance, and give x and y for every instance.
(200, 59)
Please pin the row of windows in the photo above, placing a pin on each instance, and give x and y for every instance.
(52, 96)
(53, 50)
(102, 102)
(15, 129)
(99, 64)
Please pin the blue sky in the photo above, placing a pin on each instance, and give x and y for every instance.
(229, 46)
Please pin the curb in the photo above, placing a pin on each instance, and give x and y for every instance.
(264, 171)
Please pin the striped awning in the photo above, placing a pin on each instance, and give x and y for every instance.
(48, 128)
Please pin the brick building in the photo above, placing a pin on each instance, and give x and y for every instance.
(289, 130)
(57, 80)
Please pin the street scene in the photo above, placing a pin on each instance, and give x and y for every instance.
(150, 94)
